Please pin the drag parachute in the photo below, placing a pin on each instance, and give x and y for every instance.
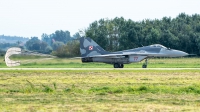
(12, 51)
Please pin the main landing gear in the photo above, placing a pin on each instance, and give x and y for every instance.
(145, 64)
(117, 65)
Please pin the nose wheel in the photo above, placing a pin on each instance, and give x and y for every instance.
(117, 65)
(145, 64)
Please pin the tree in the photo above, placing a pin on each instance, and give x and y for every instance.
(71, 49)
(76, 36)
(33, 44)
(46, 38)
(57, 44)
(62, 36)
(48, 50)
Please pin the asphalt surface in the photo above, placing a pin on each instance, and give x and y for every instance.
(99, 68)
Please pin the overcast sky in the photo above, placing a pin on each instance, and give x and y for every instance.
(30, 18)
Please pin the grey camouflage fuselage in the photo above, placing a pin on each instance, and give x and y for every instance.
(92, 52)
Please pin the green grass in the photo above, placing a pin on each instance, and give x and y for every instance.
(106, 90)
(38, 62)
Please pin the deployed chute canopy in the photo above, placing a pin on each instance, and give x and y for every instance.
(12, 51)
(19, 51)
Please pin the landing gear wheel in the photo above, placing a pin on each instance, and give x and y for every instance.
(121, 65)
(145, 64)
(116, 65)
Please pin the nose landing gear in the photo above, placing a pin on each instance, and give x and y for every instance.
(145, 64)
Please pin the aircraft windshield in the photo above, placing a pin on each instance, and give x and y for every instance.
(158, 45)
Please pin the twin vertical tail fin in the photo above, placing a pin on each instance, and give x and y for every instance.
(89, 48)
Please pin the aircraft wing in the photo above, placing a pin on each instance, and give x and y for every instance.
(121, 55)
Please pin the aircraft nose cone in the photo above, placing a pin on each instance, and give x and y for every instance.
(183, 53)
(177, 53)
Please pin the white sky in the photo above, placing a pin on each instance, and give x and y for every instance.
(29, 18)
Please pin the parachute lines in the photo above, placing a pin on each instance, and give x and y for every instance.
(19, 51)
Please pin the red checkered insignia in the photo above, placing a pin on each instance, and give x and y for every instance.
(90, 47)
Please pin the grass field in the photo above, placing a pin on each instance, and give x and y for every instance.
(100, 90)
(105, 90)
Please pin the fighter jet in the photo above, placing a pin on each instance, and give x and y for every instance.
(92, 52)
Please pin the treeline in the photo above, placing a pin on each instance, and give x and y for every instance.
(59, 43)
(12, 39)
(182, 33)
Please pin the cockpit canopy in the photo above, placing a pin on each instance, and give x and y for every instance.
(158, 45)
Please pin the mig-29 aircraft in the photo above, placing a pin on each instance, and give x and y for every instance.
(92, 52)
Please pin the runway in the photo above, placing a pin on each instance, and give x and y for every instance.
(99, 68)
